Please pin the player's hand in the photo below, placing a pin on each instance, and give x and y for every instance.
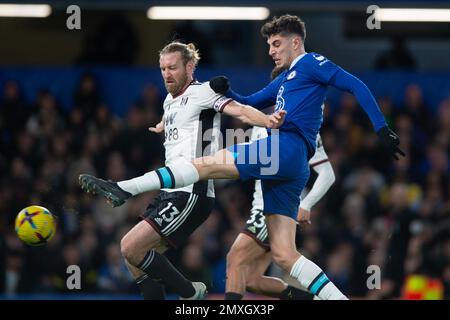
(158, 128)
(303, 217)
(391, 141)
(276, 119)
(220, 84)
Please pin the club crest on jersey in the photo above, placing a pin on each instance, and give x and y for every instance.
(184, 101)
(291, 75)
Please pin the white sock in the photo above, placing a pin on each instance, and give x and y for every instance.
(182, 173)
(312, 277)
(146, 182)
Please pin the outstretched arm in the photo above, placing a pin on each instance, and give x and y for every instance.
(262, 99)
(347, 82)
(259, 100)
(253, 116)
(327, 73)
(324, 181)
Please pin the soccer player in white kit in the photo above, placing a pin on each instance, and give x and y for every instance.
(190, 122)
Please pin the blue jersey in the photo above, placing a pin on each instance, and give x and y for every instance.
(301, 91)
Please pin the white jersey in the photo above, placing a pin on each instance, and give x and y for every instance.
(319, 157)
(191, 125)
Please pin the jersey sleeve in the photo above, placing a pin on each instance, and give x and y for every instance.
(320, 68)
(325, 179)
(347, 82)
(211, 100)
(327, 73)
(261, 99)
(320, 156)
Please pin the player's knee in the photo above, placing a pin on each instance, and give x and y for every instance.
(128, 249)
(235, 257)
(231, 259)
(204, 165)
(125, 247)
(282, 258)
(212, 163)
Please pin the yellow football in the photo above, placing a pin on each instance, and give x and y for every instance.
(35, 225)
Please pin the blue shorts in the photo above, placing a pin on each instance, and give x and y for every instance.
(280, 161)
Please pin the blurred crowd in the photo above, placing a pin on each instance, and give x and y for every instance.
(391, 214)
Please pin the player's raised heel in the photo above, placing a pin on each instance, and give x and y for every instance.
(200, 291)
(108, 189)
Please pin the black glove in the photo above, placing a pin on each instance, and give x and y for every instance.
(220, 84)
(391, 141)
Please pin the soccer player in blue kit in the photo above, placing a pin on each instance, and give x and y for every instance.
(300, 92)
